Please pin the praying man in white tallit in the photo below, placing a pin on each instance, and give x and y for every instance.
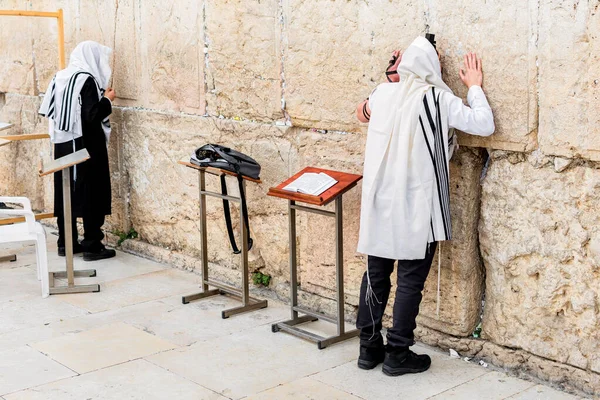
(406, 194)
(77, 104)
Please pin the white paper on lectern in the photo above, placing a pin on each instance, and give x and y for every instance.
(311, 183)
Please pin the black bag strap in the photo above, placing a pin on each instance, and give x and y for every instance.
(227, 212)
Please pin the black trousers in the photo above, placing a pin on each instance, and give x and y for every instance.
(411, 280)
(92, 221)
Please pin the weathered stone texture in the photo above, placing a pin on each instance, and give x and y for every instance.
(570, 78)
(172, 55)
(334, 54)
(16, 63)
(116, 25)
(509, 63)
(163, 200)
(461, 269)
(540, 241)
(316, 233)
(244, 59)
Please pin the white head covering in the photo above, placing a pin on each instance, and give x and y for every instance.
(94, 58)
(61, 103)
(398, 209)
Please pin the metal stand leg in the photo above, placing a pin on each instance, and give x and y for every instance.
(248, 303)
(291, 325)
(10, 257)
(70, 273)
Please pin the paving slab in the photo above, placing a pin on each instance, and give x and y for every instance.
(136, 289)
(445, 373)
(134, 380)
(18, 282)
(491, 386)
(540, 392)
(252, 361)
(24, 367)
(305, 389)
(35, 311)
(22, 337)
(102, 347)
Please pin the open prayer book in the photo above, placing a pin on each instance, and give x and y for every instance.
(311, 183)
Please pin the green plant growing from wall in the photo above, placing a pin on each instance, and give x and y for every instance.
(261, 279)
(123, 236)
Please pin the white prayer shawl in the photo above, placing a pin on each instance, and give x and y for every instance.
(61, 104)
(405, 196)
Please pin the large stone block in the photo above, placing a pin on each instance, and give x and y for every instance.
(163, 197)
(336, 54)
(116, 25)
(504, 35)
(570, 78)
(540, 242)
(23, 157)
(172, 55)
(16, 60)
(461, 278)
(316, 233)
(244, 59)
(44, 33)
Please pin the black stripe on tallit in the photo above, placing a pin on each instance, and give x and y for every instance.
(66, 118)
(436, 161)
(445, 162)
(442, 165)
(65, 103)
(51, 106)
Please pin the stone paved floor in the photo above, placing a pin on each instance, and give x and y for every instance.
(135, 340)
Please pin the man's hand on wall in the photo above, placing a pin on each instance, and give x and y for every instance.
(391, 74)
(471, 73)
(110, 94)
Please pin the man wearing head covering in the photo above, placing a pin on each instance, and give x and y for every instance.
(77, 104)
(406, 195)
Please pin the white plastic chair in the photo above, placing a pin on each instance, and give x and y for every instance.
(27, 231)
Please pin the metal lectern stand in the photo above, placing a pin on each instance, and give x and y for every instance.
(248, 303)
(335, 193)
(63, 164)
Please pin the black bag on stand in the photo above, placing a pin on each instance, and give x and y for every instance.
(217, 156)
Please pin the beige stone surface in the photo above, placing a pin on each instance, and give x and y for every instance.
(244, 59)
(539, 234)
(172, 55)
(116, 25)
(306, 388)
(24, 367)
(478, 27)
(16, 63)
(334, 56)
(245, 368)
(442, 375)
(138, 379)
(168, 214)
(102, 347)
(491, 386)
(569, 70)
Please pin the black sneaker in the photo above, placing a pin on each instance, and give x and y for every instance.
(399, 362)
(62, 251)
(99, 255)
(370, 357)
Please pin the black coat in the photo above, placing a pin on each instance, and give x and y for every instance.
(91, 192)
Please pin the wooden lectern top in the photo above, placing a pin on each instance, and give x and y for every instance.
(26, 136)
(214, 171)
(64, 162)
(345, 182)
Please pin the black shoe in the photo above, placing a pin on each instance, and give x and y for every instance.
(400, 361)
(62, 251)
(99, 255)
(370, 357)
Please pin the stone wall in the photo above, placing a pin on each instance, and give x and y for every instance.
(279, 79)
